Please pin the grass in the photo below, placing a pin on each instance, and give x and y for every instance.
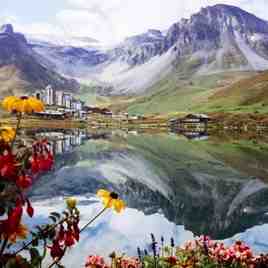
(89, 95)
(222, 92)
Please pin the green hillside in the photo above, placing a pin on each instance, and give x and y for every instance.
(222, 92)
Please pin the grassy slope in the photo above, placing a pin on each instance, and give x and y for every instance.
(211, 93)
(11, 81)
(88, 94)
(246, 95)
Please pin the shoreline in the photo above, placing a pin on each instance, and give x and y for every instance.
(220, 122)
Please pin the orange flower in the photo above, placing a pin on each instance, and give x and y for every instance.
(7, 134)
(8, 102)
(20, 233)
(23, 104)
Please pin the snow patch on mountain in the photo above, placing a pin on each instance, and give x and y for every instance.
(249, 189)
(122, 168)
(254, 60)
(134, 80)
(63, 40)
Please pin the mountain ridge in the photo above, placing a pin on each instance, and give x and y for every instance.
(216, 39)
(21, 71)
(219, 38)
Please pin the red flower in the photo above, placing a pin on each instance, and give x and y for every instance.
(24, 181)
(48, 162)
(42, 163)
(69, 238)
(56, 250)
(172, 260)
(42, 159)
(29, 208)
(34, 165)
(12, 224)
(14, 217)
(76, 231)
(95, 261)
(8, 168)
(61, 234)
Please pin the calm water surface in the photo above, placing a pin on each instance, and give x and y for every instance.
(173, 186)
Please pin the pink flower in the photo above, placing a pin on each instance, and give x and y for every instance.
(95, 261)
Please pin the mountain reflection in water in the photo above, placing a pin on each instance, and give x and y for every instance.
(216, 186)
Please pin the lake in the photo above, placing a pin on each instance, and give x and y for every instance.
(174, 185)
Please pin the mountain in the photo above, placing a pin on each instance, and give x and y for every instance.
(217, 39)
(75, 62)
(222, 92)
(221, 37)
(22, 70)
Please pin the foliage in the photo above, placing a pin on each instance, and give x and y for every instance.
(20, 166)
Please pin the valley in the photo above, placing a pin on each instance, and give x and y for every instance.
(214, 62)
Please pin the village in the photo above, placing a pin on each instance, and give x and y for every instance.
(63, 105)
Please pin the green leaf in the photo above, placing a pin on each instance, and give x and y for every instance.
(56, 214)
(2, 187)
(35, 257)
(35, 242)
(53, 218)
(52, 234)
(15, 262)
(66, 213)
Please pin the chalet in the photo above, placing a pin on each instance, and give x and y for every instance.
(97, 110)
(190, 119)
(196, 118)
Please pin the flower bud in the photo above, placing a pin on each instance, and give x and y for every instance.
(71, 202)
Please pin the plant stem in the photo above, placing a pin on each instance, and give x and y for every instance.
(17, 129)
(81, 230)
(55, 225)
(48, 230)
(59, 259)
(5, 242)
(3, 246)
(86, 225)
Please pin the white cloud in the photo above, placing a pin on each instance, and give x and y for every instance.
(85, 23)
(117, 19)
(112, 20)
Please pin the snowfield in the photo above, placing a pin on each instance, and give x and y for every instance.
(255, 61)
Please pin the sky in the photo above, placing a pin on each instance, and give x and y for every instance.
(109, 21)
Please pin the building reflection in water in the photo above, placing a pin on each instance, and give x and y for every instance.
(61, 142)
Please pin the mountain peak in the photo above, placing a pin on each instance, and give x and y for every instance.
(230, 10)
(7, 28)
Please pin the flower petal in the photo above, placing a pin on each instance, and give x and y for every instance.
(103, 193)
(118, 205)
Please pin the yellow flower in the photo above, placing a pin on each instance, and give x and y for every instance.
(71, 202)
(23, 104)
(20, 233)
(7, 134)
(111, 200)
(8, 102)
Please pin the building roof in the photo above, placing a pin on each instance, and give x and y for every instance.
(204, 116)
(50, 112)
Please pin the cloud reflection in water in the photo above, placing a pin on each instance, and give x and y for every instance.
(120, 232)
